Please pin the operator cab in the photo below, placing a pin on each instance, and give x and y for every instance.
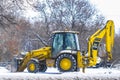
(64, 40)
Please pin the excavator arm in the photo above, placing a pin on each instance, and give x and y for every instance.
(94, 41)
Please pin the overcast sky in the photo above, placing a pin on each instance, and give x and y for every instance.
(110, 9)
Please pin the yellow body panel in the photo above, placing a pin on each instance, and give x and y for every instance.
(79, 60)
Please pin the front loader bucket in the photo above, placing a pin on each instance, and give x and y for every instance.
(15, 64)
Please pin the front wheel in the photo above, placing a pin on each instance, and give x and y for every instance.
(33, 66)
(66, 63)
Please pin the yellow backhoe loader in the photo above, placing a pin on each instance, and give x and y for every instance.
(64, 52)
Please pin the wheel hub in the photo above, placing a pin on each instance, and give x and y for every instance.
(65, 64)
(32, 67)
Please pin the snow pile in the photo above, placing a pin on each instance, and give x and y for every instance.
(3, 70)
(53, 74)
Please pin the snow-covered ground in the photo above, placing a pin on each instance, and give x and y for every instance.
(53, 74)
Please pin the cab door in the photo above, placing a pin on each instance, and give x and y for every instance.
(57, 44)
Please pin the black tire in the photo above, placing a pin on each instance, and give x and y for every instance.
(77, 69)
(33, 66)
(71, 60)
(42, 67)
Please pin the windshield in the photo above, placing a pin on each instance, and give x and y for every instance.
(70, 42)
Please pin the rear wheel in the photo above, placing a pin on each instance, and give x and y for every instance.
(66, 63)
(32, 66)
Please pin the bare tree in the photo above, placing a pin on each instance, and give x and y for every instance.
(116, 52)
